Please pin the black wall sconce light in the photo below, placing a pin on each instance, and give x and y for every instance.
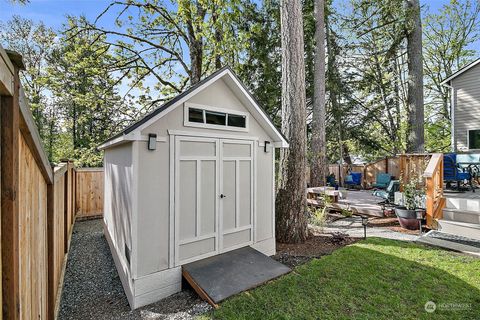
(266, 147)
(152, 141)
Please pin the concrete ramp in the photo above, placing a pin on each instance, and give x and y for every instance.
(222, 276)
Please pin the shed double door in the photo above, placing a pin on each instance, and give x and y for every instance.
(213, 196)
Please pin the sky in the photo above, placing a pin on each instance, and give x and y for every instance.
(53, 12)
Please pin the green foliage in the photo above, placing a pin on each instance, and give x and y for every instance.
(375, 70)
(174, 43)
(347, 213)
(413, 190)
(261, 69)
(84, 92)
(438, 134)
(34, 42)
(318, 217)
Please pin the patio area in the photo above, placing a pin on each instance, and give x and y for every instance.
(359, 202)
(352, 226)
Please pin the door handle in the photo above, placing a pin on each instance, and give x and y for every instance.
(222, 196)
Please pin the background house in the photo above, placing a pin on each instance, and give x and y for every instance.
(465, 94)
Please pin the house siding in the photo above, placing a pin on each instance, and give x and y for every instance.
(118, 210)
(466, 112)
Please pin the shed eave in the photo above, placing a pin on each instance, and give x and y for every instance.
(114, 142)
(281, 144)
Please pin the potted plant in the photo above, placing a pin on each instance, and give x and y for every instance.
(411, 210)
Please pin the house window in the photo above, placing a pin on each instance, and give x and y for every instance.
(218, 118)
(195, 115)
(215, 118)
(236, 121)
(474, 139)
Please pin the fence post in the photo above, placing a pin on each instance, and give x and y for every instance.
(50, 248)
(10, 118)
(66, 226)
(365, 182)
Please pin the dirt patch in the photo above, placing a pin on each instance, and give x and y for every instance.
(316, 246)
(383, 222)
(402, 230)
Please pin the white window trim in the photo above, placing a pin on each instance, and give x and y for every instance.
(468, 140)
(187, 123)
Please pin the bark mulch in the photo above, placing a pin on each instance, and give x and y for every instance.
(390, 223)
(316, 246)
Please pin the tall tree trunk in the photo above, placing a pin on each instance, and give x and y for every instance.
(334, 86)
(196, 57)
(218, 39)
(195, 43)
(415, 132)
(319, 150)
(291, 222)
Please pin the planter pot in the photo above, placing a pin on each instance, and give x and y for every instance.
(407, 218)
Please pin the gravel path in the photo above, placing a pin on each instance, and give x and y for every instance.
(92, 288)
(354, 228)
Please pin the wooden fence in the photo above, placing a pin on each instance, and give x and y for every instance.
(413, 166)
(405, 164)
(38, 207)
(89, 192)
(434, 190)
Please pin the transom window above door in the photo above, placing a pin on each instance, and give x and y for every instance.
(214, 118)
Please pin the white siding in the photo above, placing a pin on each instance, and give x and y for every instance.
(153, 208)
(467, 106)
(118, 208)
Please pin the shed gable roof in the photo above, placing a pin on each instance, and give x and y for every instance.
(461, 71)
(233, 82)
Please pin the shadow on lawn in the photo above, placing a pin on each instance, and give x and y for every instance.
(374, 279)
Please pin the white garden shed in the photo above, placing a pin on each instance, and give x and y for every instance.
(193, 179)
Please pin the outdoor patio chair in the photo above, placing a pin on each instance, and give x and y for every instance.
(382, 181)
(388, 195)
(331, 182)
(353, 180)
(452, 173)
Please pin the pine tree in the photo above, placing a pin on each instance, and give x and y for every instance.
(291, 220)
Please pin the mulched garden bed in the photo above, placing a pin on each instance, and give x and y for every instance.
(316, 246)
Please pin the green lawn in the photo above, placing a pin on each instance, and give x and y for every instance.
(372, 279)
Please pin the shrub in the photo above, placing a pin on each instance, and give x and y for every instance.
(347, 213)
(318, 217)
